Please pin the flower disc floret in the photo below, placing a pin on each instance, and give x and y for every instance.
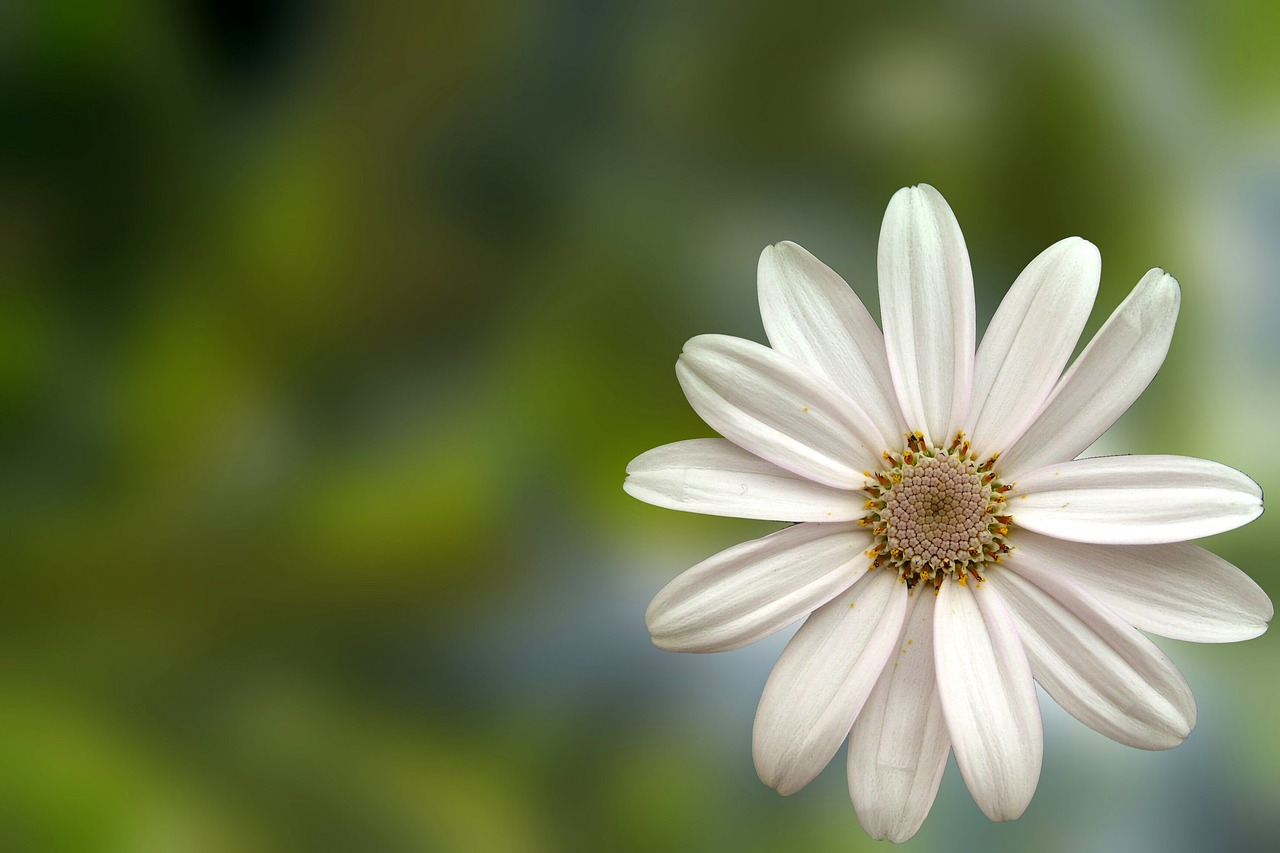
(937, 512)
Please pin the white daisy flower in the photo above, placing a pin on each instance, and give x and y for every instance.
(949, 547)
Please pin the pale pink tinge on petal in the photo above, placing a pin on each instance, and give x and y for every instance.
(811, 314)
(770, 405)
(899, 745)
(822, 680)
(926, 302)
(716, 477)
(988, 698)
(751, 590)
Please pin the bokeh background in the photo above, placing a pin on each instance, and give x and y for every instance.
(327, 331)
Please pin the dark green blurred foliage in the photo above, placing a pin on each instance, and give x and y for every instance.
(327, 330)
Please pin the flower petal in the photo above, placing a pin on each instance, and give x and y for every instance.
(1109, 375)
(1029, 341)
(926, 301)
(1100, 669)
(1135, 500)
(822, 679)
(898, 747)
(715, 476)
(1178, 590)
(749, 591)
(988, 698)
(812, 315)
(768, 404)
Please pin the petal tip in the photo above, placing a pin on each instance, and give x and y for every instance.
(692, 345)
(929, 194)
(651, 616)
(1243, 633)
(909, 197)
(774, 769)
(779, 778)
(773, 256)
(1007, 805)
(1082, 247)
(634, 465)
(1005, 815)
(1163, 283)
(917, 193)
(892, 826)
(662, 644)
(769, 774)
(666, 638)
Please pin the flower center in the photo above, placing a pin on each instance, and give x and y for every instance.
(937, 512)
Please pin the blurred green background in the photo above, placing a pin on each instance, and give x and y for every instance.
(328, 329)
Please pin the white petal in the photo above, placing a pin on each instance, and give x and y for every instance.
(767, 403)
(751, 590)
(811, 314)
(822, 679)
(898, 747)
(1109, 375)
(1177, 590)
(1029, 341)
(988, 698)
(715, 476)
(926, 300)
(1100, 669)
(1135, 500)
